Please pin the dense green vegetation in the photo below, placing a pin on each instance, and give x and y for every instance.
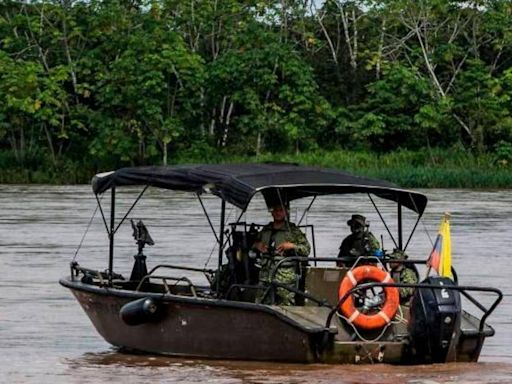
(415, 91)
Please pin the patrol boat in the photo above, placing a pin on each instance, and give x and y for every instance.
(340, 315)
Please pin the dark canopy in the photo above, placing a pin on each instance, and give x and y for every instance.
(237, 183)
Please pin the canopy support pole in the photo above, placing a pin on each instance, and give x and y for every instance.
(400, 230)
(111, 235)
(383, 221)
(102, 213)
(221, 244)
(208, 217)
(413, 230)
(307, 209)
(420, 215)
(131, 208)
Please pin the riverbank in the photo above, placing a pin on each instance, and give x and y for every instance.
(411, 169)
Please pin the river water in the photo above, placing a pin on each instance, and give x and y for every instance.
(45, 337)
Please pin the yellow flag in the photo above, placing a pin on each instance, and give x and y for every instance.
(441, 256)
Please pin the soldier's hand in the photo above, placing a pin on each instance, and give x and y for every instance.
(261, 246)
(286, 246)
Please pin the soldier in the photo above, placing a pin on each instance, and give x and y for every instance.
(276, 240)
(360, 242)
(402, 274)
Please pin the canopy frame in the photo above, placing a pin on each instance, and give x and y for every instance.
(230, 186)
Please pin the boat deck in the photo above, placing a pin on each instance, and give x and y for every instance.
(469, 326)
(312, 319)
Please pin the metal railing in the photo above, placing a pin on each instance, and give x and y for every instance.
(166, 286)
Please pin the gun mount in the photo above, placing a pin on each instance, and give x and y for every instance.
(142, 238)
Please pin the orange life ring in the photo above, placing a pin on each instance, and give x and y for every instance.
(349, 310)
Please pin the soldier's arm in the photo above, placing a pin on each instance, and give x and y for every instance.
(344, 248)
(374, 243)
(259, 244)
(302, 246)
(408, 276)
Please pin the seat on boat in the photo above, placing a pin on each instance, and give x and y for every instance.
(323, 283)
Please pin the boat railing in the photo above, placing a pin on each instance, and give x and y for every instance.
(284, 263)
(383, 260)
(166, 285)
(241, 287)
(76, 269)
(207, 272)
(461, 288)
(268, 288)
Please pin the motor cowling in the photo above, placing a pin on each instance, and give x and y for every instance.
(140, 311)
(434, 324)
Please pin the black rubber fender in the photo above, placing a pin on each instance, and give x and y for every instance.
(140, 311)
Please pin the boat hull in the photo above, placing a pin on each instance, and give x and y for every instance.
(197, 327)
(221, 329)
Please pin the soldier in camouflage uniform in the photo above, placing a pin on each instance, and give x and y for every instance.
(360, 242)
(275, 241)
(402, 274)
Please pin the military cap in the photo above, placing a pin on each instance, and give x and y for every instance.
(360, 219)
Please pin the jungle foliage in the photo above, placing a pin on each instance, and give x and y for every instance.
(90, 85)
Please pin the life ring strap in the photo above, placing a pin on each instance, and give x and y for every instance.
(354, 316)
(384, 316)
(353, 280)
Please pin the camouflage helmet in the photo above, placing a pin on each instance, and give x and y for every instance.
(398, 254)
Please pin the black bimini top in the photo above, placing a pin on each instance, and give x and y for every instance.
(237, 183)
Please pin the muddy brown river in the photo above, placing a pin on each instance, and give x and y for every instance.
(45, 337)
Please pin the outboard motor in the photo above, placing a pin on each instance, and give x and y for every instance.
(434, 325)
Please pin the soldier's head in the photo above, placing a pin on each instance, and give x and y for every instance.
(279, 212)
(357, 224)
(397, 255)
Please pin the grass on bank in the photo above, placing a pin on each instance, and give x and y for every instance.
(440, 169)
(409, 169)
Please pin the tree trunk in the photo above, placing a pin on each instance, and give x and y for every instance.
(381, 47)
(50, 144)
(164, 153)
(65, 42)
(226, 124)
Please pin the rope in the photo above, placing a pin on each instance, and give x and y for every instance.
(422, 223)
(357, 332)
(86, 230)
(400, 319)
(428, 234)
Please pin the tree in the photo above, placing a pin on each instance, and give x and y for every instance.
(272, 96)
(148, 93)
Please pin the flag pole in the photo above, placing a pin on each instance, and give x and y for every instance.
(428, 269)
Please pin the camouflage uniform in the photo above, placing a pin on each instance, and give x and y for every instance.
(403, 274)
(286, 274)
(358, 244)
